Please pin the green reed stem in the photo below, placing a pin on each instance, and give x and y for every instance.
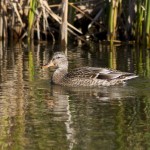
(31, 18)
(148, 24)
(112, 22)
(139, 21)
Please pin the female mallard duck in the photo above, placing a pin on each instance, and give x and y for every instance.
(85, 76)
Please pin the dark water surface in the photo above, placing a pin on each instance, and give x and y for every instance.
(35, 115)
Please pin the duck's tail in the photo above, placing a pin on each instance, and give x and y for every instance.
(129, 76)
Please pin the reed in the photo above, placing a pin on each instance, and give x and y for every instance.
(64, 25)
(3, 20)
(112, 21)
(139, 20)
(31, 18)
(148, 24)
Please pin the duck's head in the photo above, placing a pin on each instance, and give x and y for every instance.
(58, 60)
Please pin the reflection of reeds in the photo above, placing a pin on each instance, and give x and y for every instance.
(147, 63)
(31, 63)
(142, 59)
(112, 57)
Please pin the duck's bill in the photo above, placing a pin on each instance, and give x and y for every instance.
(51, 64)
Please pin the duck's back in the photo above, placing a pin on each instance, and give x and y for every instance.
(92, 76)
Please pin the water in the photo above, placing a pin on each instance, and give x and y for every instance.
(37, 115)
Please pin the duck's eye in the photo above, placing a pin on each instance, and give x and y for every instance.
(58, 57)
(55, 58)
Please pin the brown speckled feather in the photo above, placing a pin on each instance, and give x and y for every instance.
(96, 73)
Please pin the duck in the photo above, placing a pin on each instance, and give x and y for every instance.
(85, 76)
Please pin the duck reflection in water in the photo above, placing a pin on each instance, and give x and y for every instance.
(69, 102)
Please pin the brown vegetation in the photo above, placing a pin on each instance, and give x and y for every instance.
(111, 20)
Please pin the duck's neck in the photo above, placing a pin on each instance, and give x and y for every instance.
(59, 74)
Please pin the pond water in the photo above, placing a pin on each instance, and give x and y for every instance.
(35, 115)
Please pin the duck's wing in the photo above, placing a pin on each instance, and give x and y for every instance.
(99, 73)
